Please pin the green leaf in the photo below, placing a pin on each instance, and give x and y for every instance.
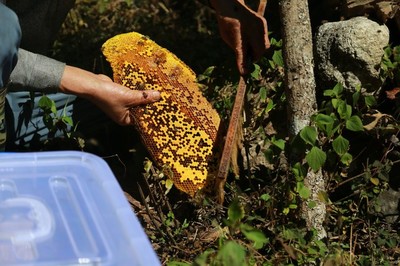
(329, 93)
(316, 158)
(326, 124)
(374, 181)
(338, 89)
(256, 236)
(263, 93)
(265, 197)
(323, 119)
(335, 102)
(346, 158)
(235, 211)
(340, 145)
(323, 196)
(311, 204)
(269, 155)
(68, 120)
(202, 259)
(209, 71)
(286, 211)
(270, 106)
(356, 97)
(370, 100)
(232, 254)
(354, 123)
(256, 72)
(344, 110)
(147, 165)
(299, 171)
(303, 191)
(168, 185)
(309, 135)
(277, 58)
(45, 103)
(280, 143)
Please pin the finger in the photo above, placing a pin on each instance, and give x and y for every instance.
(144, 97)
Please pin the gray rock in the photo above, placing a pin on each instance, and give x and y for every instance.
(350, 52)
(387, 204)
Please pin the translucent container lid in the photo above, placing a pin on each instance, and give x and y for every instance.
(66, 208)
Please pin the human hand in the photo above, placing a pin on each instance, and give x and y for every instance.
(244, 30)
(113, 99)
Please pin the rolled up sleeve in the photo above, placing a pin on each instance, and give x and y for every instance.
(35, 72)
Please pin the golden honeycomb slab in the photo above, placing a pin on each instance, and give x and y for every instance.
(179, 131)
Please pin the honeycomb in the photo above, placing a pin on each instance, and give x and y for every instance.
(179, 131)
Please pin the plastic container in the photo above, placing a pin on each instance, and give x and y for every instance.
(66, 208)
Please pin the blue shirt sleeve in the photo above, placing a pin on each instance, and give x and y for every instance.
(10, 36)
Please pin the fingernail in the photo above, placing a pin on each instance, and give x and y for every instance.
(155, 95)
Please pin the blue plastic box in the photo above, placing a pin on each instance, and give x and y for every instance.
(66, 208)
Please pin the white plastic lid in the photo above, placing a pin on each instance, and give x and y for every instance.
(66, 208)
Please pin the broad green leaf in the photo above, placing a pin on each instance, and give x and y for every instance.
(202, 259)
(232, 254)
(280, 143)
(263, 93)
(269, 155)
(335, 103)
(270, 106)
(316, 158)
(354, 123)
(68, 120)
(340, 145)
(344, 109)
(346, 158)
(338, 89)
(168, 185)
(235, 211)
(256, 72)
(356, 97)
(311, 204)
(256, 236)
(277, 58)
(303, 191)
(309, 134)
(299, 171)
(370, 100)
(329, 93)
(323, 119)
(45, 103)
(374, 181)
(323, 196)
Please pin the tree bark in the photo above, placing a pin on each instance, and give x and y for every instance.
(300, 94)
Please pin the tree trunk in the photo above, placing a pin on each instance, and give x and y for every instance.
(300, 94)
